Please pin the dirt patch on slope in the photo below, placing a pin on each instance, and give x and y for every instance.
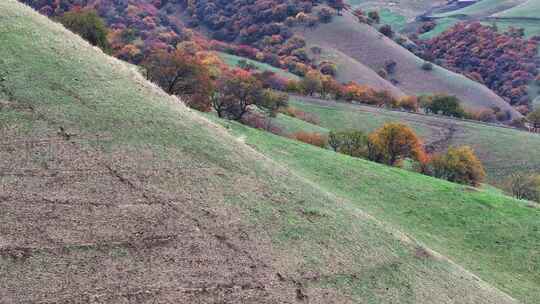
(82, 226)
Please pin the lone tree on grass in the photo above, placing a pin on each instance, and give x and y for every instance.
(393, 143)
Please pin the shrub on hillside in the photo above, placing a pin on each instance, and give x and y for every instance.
(409, 103)
(88, 25)
(387, 30)
(374, 16)
(262, 122)
(459, 165)
(315, 139)
(296, 113)
(350, 142)
(427, 66)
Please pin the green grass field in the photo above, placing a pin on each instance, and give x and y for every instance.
(492, 234)
(232, 60)
(502, 151)
(234, 224)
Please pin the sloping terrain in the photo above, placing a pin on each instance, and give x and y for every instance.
(492, 234)
(114, 192)
(364, 44)
(350, 69)
(503, 151)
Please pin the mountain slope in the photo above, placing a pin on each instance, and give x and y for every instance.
(365, 44)
(494, 235)
(114, 192)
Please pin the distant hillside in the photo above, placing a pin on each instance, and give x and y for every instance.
(114, 192)
(366, 45)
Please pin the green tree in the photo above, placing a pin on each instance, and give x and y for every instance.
(445, 105)
(89, 26)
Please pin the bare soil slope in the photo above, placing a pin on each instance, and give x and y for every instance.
(114, 192)
(366, 45)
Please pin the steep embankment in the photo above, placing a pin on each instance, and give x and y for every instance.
(114, 192)
(364, 44)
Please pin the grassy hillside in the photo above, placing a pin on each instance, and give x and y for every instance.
(232, 60)
(492, 234)
(350, 69)
(503, 151)
(364, 44)
(167, 207)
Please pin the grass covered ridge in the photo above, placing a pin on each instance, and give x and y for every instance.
(241, 228)
(495, 236)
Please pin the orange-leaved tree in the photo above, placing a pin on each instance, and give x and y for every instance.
(394, 142)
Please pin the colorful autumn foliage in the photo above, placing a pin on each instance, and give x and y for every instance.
(504, 62)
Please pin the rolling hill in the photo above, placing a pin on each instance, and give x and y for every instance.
(367, 46)
(478, 228)
(114, 192)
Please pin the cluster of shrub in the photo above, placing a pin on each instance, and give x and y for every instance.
(395, 144)
(503, 61)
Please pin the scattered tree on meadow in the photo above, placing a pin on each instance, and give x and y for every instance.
(459, 165)
(234, 94)
(182, 74)
(393, 143)
(88, 25)
(272, 101)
